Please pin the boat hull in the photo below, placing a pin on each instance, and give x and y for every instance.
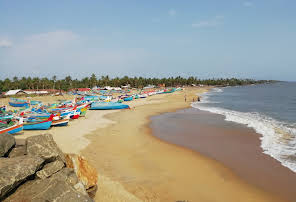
(60, 123)
(13, 129)
(108, 106)
(18, 104)
(38, 126)
(128, 98)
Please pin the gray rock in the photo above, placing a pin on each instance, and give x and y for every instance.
(7, 141)
(68, 175)
(50, 169)
(45, 147)
(48, 189)
(18, 151)
(14, 171)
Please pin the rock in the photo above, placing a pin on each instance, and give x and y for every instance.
(18, 151)
(7, 141)
(49, 189)
(45, 147)
(68, 175)
(85, 172)
(50, 169)
(14, 171)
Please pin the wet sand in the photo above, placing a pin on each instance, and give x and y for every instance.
(234, 145)
(153, 170)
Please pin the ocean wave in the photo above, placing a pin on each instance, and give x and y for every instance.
(278, 139)
(206, 96)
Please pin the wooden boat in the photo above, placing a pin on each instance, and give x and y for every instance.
(18, 104)
(39, 125)
(143, 96)
(34, 102)
(83, 111)
(61, 121)
(108, 106)
(12, 128)
(128, 98)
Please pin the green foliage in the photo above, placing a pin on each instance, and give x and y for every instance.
(136, 82)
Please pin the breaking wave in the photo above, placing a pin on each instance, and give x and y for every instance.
(278, 138)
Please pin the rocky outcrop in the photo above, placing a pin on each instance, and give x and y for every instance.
(48, 189)
(85, 172)
(18, 151)
(7, 141)
(45, 147)
(50, 169)
(36, 171)
(14, 171)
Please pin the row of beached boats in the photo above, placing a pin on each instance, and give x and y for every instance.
(33, 115)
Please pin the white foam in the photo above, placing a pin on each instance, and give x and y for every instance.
(278, 140)
(206, 95)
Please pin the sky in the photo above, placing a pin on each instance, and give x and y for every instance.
(203, 38)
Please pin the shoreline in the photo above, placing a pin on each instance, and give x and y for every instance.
(146, 169)
(233, 145)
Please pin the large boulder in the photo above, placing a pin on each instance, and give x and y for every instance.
(7, 141)
(14, 171)
(18, 151)
(45, 147)
(84, 171)
(68, 175)
(50, 169)
(49, 189)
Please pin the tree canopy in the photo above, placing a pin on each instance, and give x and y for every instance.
(137, 82)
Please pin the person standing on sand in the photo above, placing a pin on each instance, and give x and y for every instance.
(185, 97)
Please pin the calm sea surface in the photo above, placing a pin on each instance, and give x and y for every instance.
(270, 109)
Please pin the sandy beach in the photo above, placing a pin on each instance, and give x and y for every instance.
(232, 144)
(153, 170)
(133, 165)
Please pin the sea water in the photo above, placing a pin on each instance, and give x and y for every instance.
(270, 109)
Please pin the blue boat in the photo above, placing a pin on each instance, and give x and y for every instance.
(18, 104)
(17, 127)
(42, 125)
(33, 102)
(128, 98)
(108, 106)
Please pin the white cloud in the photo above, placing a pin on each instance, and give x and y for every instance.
(248, 4)
(172, 12)
(64, 52)
(214, 22)
(5, 43)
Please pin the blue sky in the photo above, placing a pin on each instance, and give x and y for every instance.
(213, 38)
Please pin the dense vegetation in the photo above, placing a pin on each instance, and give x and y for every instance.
(138, 82)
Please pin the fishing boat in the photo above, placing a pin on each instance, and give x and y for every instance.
(143, 96)
(12, 127)
(38, 124)
(62, 121)
(18, 104)
(33, 102)
(83, 111)
(108, 106)
(128, 98)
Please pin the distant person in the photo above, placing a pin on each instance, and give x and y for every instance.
(185, 98)
(198, 99)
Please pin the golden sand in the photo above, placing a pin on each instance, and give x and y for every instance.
(135, 166)
(153, 170)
